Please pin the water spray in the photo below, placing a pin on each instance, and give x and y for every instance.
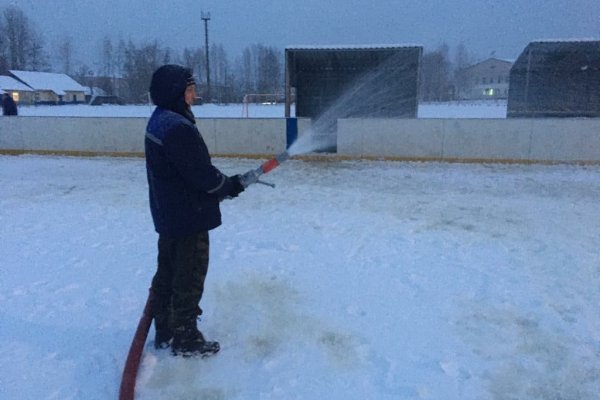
(253, 176)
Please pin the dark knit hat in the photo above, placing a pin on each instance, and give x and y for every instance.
(169, 83)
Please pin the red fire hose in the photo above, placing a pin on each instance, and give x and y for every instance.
(130, 371)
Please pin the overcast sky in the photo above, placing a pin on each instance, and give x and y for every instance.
(484, 26)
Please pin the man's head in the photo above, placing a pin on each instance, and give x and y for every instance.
(171, 86)
(190, 95)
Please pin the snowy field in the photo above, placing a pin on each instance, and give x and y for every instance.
(471, 109)
(349, 280)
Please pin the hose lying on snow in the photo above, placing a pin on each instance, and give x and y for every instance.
(130, 371)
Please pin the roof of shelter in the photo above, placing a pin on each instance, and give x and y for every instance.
(490, 60)
(351, 47)
(347, 58)
(562, 54)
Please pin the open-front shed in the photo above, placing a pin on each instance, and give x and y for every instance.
(556, 79)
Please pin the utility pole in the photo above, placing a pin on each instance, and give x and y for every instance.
(206, 17)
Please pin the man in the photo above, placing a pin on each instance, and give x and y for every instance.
(9, 107)
(185, 190)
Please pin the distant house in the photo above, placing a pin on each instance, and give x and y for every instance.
(51, 88)
(20, 92)
(488, 79)
(93, 91)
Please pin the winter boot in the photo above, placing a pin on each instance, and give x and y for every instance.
(188, 341)
(164, 334)
(161, 313)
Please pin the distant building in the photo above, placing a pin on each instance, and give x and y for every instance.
(51, 88)
(556, 79)
(488, 79)
(94, 91)
(20, 92)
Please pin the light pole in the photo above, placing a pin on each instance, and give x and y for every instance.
(206, 17)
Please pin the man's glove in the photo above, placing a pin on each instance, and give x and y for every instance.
(249, 178)
(236, 186)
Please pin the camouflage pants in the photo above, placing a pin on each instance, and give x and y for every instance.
(178, 284)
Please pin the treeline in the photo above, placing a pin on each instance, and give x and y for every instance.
(125, 67)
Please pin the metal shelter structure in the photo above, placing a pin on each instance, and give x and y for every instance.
(556, 79)
(362, 81)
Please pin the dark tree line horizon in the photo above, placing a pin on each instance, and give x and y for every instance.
(124, 68)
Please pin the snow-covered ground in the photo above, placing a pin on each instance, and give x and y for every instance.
(467, 109)
(349, 280)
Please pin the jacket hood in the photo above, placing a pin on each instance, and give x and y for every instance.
(167, 88)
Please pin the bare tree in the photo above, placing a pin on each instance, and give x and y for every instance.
(37, 59)
(17, 36)
(246, 72)
(108, 58)
(195, 60)
(65, 54)
(260, 70)
(21, 46)
(84, 75)
(3, 48)
(435, 75)
(139, 65)
(119, 83)
(222, 77)
(269, 70)
(462, 61)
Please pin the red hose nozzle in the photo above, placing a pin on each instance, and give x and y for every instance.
(252, 176)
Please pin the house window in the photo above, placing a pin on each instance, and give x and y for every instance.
(15, 96)
(484, 80)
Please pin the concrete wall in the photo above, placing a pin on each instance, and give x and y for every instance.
(518, 140)
(126, 135)
(62, 134)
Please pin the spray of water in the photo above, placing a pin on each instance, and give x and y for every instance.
(383, 91)
(310, 141)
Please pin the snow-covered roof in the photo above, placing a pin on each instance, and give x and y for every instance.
(8, 83)
(94, 91)
(490, 60)
(58, 83)
(351, 46)
(565, 40)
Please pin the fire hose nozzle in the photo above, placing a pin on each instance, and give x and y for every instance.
(250, 177)
(266, 183)
(253, 175)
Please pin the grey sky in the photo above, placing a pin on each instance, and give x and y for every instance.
(484, 26)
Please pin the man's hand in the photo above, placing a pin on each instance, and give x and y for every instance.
(237, 186)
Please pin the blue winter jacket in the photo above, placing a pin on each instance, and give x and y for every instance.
(184, 186)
